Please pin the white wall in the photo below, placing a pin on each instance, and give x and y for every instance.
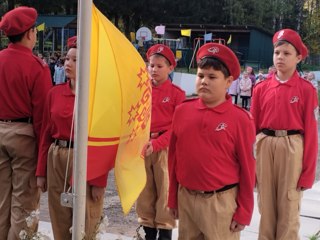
(317, 73)
(185, 81)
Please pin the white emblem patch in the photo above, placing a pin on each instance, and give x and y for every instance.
(280, 34)
(160, 49)
(316, 113)
(166, 99)
(294, 99)
(221, 126)
(213, 50)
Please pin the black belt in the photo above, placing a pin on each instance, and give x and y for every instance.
(279, 133)
(63, 143)
(225, 188)
(25, 120)
(155, 135)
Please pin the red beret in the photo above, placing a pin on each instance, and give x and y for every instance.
(293, 38)
(18, 20)
(72, 42)
(223, 54)
(164, 51)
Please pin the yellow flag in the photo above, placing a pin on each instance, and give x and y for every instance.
(41, 27)
(119, 109)
(230, 39)
(186, 32)
(178, 54)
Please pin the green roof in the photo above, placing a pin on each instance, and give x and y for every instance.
(55, 21)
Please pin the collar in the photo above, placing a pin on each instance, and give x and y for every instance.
(66, 91)
(292, 81)
(20, 47)
(221, 108)
(163, 85)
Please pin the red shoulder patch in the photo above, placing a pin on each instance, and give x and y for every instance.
(40, 61)
(177, 87)
(248, 113)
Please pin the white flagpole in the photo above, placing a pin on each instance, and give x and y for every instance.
(81, 119)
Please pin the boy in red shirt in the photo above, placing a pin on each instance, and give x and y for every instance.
(285, 110)
(211, 164)
(151, 206)
(25, 81)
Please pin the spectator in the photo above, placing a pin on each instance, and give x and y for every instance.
(59, 73)
(245, 90)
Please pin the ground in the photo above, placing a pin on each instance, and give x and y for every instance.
(118, 223)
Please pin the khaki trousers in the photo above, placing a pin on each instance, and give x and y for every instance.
(152, 203)
(206, 216)
(61, 217)
(19, 193)
(279, 165)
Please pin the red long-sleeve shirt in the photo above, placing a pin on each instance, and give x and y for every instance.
(292, 105)
(165, 98)
(211, 148)
(24, 83)
(57, 122)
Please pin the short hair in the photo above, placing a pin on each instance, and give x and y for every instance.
(160, 55)
(18, 38)
(282, 42)
(216, 64)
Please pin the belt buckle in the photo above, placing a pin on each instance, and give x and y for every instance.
(6, 121)
(281, 133)
(63, 143)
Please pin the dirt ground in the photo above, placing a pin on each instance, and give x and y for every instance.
(118, 223)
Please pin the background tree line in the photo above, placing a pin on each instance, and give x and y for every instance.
(129, 15)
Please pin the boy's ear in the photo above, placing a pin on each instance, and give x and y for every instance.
(171, 68)
(229, 81)
(299, 58)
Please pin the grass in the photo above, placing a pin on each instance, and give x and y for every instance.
(315, 236)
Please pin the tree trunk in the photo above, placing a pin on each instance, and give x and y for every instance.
(11, 4)
(126, 23)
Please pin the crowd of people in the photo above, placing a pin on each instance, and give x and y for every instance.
(243, 88)
(204, 157)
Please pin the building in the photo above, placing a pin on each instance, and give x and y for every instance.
(252, 45)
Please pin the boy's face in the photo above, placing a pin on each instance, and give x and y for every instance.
(211, 86)
(159, 69)
(286, 58)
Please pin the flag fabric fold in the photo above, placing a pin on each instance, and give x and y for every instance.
(230, 39)
(186, 32)
(207, 37)
(119, 109)
(41, 27)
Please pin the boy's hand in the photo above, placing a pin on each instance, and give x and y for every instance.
(236, 227)
(174, 212)
(148, 149)
(42, 183)
(97, 193)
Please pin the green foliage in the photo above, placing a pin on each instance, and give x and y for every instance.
(315, 236)
(128, 15)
